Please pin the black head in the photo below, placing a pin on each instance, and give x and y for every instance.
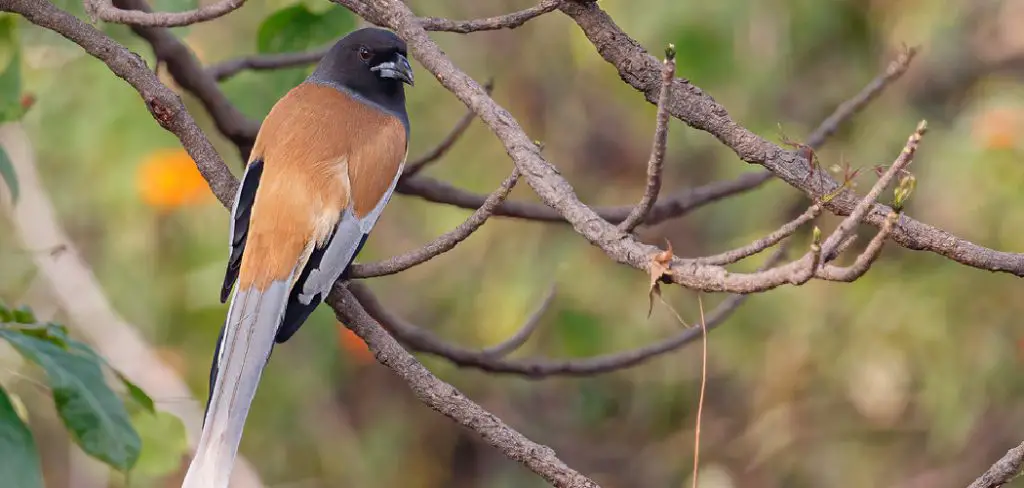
(370, 62)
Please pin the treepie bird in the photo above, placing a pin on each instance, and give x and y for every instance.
(324, 165)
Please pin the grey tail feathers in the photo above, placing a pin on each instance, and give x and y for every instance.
(243, 349)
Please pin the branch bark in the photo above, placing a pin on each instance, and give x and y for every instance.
(106, 11)
(1003, 471)
(699, 110)
(162, 102)
(449, 401)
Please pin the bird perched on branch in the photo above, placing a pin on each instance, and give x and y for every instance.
(324, 165)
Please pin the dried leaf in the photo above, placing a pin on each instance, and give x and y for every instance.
(661, 264)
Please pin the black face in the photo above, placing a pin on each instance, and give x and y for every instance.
(371, 61)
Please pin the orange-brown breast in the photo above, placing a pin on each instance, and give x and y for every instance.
(321, 152)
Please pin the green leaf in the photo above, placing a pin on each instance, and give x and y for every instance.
(297, 28)
(164, 441)
(91, 411)
(24, 315)
(19, 459)
(136, 393)
(7, 174)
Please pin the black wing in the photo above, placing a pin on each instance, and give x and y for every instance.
(240, 224)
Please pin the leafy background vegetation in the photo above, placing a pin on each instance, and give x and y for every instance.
(910, 375)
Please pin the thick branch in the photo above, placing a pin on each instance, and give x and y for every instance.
(106, 11)
(552, 188)
(163, 104)
(697, 109)
(449, 401)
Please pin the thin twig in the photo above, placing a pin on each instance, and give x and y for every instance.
(1005, 470)
(846, 226)
(226, 69)
(449, 401)
(442, 148)
(765, 242)
(697, 109)
(507, 21)
(864, 260)
(678, 204)
(851, 107)
(106, 11)
(509, 345)
(703, 383)
(423, 340)
(441, 244)
(656, 161)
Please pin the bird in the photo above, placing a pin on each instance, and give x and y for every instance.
(324, 164)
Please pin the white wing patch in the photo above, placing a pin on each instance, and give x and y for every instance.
(340, 252)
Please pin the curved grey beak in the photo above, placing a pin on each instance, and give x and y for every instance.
(398, 68)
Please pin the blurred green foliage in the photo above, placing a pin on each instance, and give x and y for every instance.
(97, 419)
(910, 375)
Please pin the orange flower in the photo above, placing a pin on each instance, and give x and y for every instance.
(352, 344)
(997, 128)
(169, 179)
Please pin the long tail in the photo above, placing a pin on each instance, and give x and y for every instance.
(243, 350)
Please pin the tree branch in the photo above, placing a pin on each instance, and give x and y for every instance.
(865, 259)
(847, 225)
(449, 401)
(187, 72)
(443, 243)
(765, 242)
(656, 161)
(698, 110)
(163, 104)
(553, 189)
(507, 21)
(676, 205)
(227, 69)
(422, 340)
(105, 10)
(1003, 471)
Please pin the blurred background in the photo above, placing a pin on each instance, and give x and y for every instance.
(909, 377)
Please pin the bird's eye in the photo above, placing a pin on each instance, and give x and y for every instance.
(364, 54)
